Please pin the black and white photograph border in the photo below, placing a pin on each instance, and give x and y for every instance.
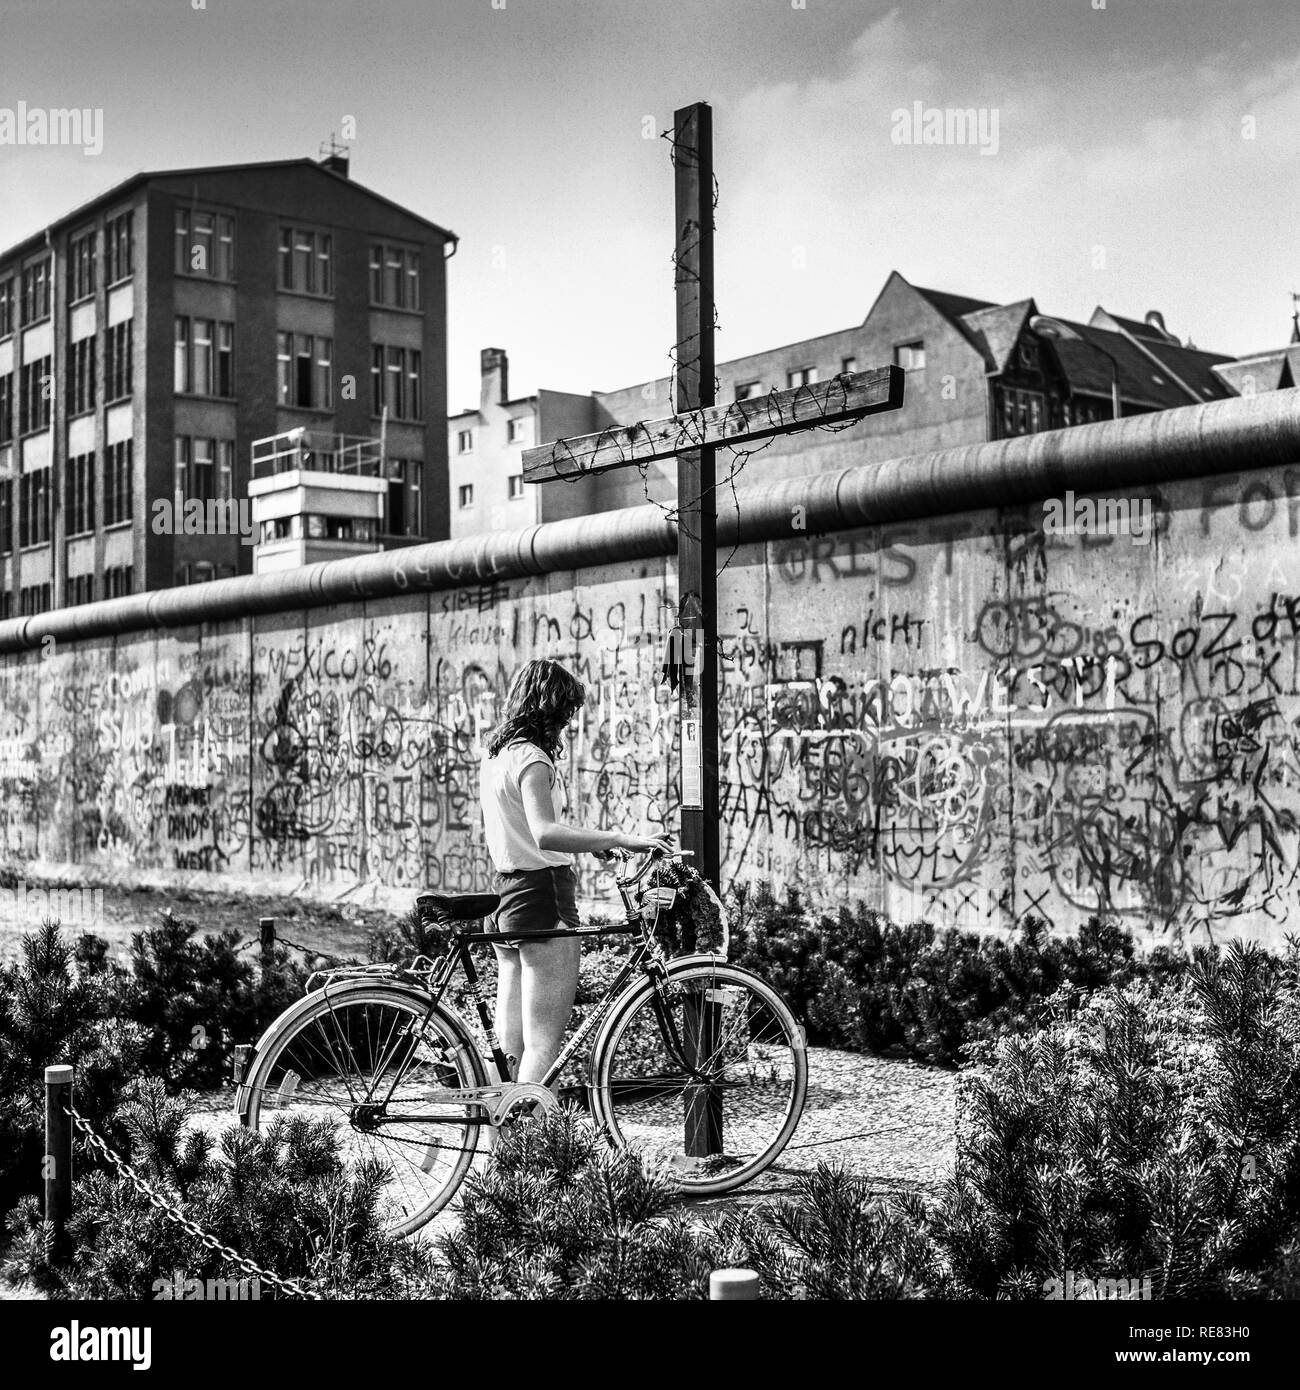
(569, 731)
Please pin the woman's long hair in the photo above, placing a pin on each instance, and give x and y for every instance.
(543, 697)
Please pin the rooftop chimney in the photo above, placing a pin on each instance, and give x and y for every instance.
(494, 369)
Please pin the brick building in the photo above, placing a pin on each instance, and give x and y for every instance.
(150, 336)
(975, 371)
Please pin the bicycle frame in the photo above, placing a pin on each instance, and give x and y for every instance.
(647, 957)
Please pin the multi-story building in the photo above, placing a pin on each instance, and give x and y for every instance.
(149, 337)
(975, 371)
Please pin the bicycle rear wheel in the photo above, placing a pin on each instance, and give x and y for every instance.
(705, 1073)
(337, 1056)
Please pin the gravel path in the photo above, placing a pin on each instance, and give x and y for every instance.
(888, 1121)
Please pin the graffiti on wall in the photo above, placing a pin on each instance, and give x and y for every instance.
(962, 720)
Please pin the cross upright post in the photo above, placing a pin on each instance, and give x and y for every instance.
(697, 583)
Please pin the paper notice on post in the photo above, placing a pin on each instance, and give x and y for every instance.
(692, 766)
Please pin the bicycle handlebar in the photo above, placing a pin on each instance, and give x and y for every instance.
(651, 856)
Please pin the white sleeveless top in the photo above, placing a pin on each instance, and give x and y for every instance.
(510, 842)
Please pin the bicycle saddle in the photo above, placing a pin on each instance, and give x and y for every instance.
(458, 907)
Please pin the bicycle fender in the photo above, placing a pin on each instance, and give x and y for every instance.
(454, 1026)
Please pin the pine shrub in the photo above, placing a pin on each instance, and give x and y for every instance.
(1153, 1133)
(279, 1197)
(863, 983)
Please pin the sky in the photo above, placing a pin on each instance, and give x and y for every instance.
(1146, 152)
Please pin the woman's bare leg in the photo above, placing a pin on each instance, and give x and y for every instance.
(508, 1020)
(549, 981)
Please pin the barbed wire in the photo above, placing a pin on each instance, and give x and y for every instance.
(174, 1213)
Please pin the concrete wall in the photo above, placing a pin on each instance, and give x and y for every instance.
(957, 717)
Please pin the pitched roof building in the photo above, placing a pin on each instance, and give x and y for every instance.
(975, 371)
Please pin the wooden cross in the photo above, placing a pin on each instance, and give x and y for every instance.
(692, 436)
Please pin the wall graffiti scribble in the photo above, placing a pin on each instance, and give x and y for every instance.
(965, 725)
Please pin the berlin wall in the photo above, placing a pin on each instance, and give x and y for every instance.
(956, 717)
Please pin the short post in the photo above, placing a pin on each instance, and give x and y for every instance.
(267, 925)
(728, 1285)
(58, 1158)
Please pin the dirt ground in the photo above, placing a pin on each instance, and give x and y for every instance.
(333, 930)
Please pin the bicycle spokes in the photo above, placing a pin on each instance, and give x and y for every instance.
(704, 1072)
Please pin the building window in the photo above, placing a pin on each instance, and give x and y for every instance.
(395, 382)
(204, 357)
(517, 430)
(8, 305)
(465, 441)
(118, 353)
(306, 261)
(801, 376)
(81, 376)
(404, 478)
(79, 504)
(36, 292)
(6, 408)
(395, 277)
(81, 589)
(910, 356)
(749, 390)
(205, 244)
(118, 255)
(81, 268)
(322, 527)
(225, 359)
(204, 468)
(848, 365)
(305, 370)
(34, 507)
(196, 572)
(6, 517)
(1020, 412)
(35, 598)
(515, 486)
(118, 482)
(117, 581)
(466, 494)
(36, 386)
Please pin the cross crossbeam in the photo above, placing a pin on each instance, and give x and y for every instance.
(849, 396)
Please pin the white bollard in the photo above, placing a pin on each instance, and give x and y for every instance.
(728, 1284)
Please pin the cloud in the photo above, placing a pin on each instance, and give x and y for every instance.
(1140, 154)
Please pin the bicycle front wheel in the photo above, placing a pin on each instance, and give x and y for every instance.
(363, 1058)
(705, 1072)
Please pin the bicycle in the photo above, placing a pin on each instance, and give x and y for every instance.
(697, 1063)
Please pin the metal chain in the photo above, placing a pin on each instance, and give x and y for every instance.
(173, 1213)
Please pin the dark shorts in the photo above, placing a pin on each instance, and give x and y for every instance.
(534, 900)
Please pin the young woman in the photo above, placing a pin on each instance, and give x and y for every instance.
(532, 852)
